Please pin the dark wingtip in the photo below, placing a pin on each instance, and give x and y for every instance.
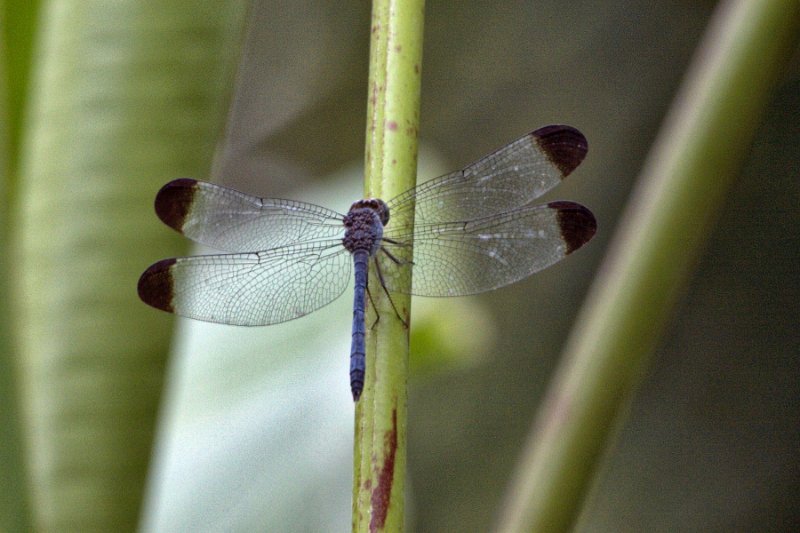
(564, 146)
(174, 200)
(156, 285)
(577, 223)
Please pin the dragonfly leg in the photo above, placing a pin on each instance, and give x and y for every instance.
(383, 284)
(377, 314)
(391, 256)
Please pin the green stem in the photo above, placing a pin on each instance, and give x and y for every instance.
(661, 235)
(390, 168)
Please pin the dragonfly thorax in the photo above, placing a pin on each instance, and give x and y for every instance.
(364, 225)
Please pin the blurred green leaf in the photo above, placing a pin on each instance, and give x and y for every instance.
(124, 96)
(667, 223)
(17, 24)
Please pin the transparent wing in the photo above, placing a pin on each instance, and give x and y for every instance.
(229, 220)
(459, 258)
(509, 178)
(251, 289)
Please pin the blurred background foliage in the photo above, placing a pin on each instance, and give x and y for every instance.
(255, 427)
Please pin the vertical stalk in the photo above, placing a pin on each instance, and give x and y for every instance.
(390, 168)
(661, 234)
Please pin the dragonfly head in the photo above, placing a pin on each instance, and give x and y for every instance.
(377, 205)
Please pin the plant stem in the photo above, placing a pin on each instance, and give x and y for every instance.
(661, 234)
(390, 168)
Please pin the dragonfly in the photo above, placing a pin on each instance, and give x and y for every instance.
(466, 232)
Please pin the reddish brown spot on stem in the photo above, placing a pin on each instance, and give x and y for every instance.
(381, 495)
(392, 125)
